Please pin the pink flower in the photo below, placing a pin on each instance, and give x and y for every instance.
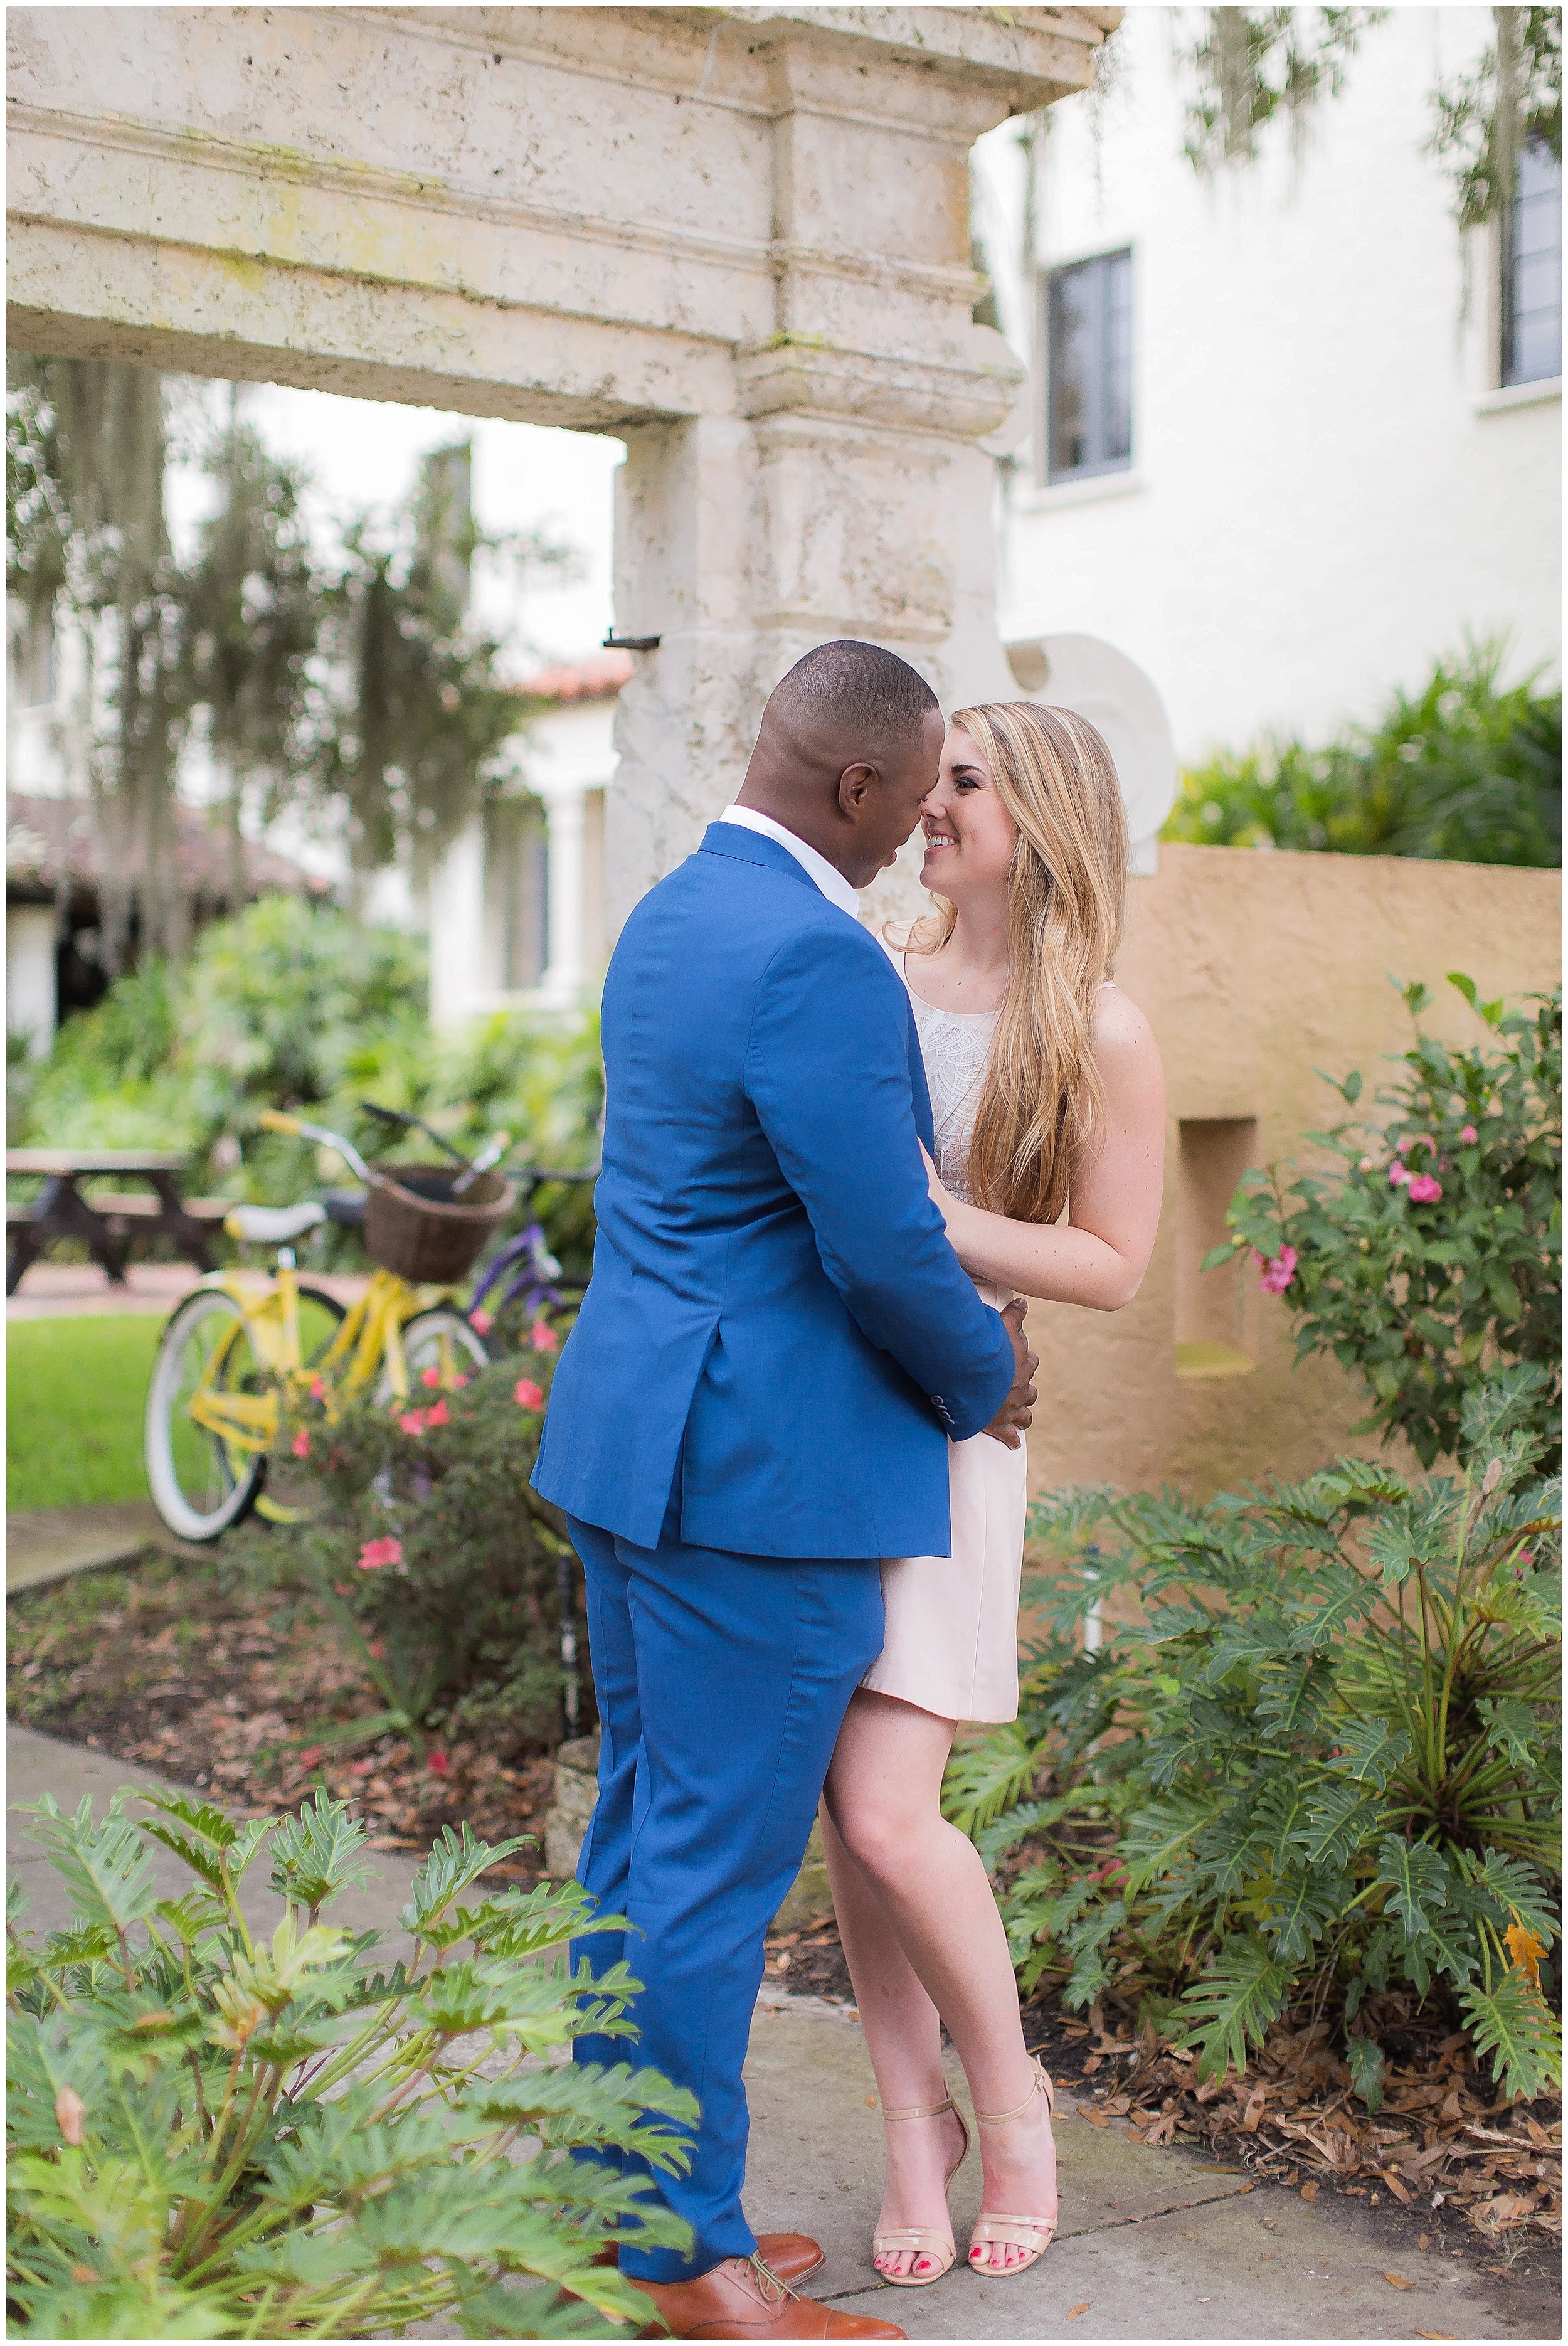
(375, 1553)
(1366, 1163)
(458, 1381)
(543, 1337)
(480, 1322)
(309, 1757)
(1424, 1189)
(1396, 1173)
(436, 1413)
(1275, 1277)
(413, 1421)
(300, 1445)
(1469, 1136)
(360, 1767)
(318, 1389)
(528, 1395)
(430, 1377)
(438, 1763)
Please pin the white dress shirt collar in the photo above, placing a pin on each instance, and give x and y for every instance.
(831, 881)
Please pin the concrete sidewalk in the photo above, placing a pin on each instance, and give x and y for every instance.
(45, 1543)
(38, 1763)
(1153, 2244)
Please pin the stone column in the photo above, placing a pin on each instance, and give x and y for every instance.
(847, 496)
(30, 986)
(457, 928)
(565, 825)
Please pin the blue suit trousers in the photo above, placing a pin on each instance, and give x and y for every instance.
(722, 1682)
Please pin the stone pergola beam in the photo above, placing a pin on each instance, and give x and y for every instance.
(737, 237)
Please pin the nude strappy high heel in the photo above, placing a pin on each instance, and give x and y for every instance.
(919, 2239)
(1015, 2232)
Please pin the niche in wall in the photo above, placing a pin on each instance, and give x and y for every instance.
(1215, 1332)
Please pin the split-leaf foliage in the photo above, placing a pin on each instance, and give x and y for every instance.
(1320, 1763)
(213, 2133)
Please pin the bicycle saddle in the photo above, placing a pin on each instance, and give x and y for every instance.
(274, 1225)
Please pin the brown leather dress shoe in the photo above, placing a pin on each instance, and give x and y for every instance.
(742, 2299)
(791, 2256)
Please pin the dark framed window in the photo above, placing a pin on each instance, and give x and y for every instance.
(1089, 366)
(1532, 270)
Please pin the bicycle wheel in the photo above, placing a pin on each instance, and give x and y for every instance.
(283, 1494)
(201, 1482)
(439, 1339)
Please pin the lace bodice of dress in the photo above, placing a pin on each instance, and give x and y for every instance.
(953, 1043)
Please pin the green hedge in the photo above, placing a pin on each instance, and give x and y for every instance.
(1466, 770)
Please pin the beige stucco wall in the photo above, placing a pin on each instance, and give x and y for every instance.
(1256, 970)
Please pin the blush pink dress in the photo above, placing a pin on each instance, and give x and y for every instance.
(952, 1639)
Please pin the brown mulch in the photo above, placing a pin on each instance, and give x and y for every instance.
(1445, 2142)
(179, 1667)
(1445, 2148)
(810, 1961)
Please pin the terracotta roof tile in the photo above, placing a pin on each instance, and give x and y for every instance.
(599, 677)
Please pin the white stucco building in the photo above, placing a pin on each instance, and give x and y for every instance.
(516, 904)
(1289, 435)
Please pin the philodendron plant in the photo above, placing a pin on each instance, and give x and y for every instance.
(214, 2133)
(1317, 1767)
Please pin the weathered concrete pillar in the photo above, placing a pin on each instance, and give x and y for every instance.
(457, 974)
(566, 848)
(848, 496)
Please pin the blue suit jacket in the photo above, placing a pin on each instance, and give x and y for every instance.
(775, 1306)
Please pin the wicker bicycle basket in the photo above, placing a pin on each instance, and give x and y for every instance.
(414, 1225)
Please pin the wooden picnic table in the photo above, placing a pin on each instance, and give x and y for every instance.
(107, 1224)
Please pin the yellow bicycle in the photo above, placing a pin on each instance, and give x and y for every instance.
(245, 1345)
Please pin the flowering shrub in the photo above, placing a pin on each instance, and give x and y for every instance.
(215, 2135)
(443, 1569)
(1318, 1771)
(1432, 1254)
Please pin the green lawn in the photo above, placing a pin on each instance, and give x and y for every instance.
(75, 1390)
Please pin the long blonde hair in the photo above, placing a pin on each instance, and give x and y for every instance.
(1042, 1101)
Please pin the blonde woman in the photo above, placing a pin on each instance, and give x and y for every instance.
(1049, 1109)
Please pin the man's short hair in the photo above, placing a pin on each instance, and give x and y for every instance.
(855, 687)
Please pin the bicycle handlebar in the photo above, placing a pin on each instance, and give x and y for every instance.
(407, 1123)
(273, 1120)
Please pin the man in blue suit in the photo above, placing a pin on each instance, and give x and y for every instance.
(754, 1405)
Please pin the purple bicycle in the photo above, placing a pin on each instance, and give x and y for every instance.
(525, 1271)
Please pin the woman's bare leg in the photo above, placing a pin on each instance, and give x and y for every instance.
(903, 2036)
(922, 1936)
